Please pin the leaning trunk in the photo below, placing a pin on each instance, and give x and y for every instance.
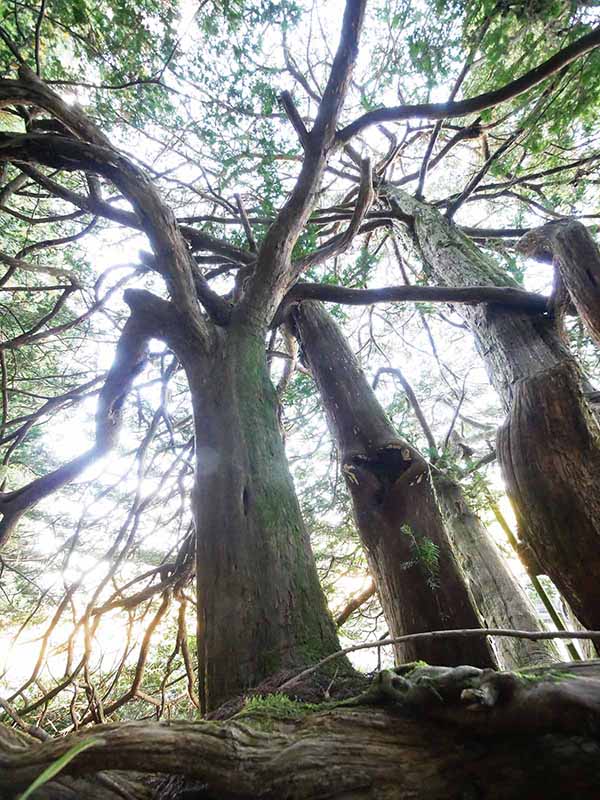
(549, 446)
(420, 584)
(260, 605)
(500, 599)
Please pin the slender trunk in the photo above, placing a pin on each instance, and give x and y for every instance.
(585, 647)
(499, 597)
(420, 584)
(549, 446)
(260, 605)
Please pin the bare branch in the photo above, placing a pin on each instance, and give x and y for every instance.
(157, 219)
(467, 633)
(483, 28)
(355, 603)
(38, 30)
(95, 205)
(286, 100)
(472, 105)
(516, 299)
(412, 398)
(129, 360)
(19, 263)
(339, 244)
(246, 224)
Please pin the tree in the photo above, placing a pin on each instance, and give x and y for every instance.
(552, 487)
(261, 614)
(412, 518)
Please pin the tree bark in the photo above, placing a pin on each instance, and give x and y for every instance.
(501, 601)
(260, 605)
(398, 519)
(428, 734)
(570, 246)
(549, 446)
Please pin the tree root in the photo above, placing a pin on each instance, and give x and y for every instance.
(418, 732)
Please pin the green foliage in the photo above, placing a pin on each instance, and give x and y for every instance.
(264, 711)
(57, 766)
(426, 556)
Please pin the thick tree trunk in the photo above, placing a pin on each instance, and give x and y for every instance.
(399, 521)
(440, 734)
(260, 605)
(549, 446)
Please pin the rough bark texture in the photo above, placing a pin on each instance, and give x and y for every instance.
(549, 449)
(261, 608)
(500, 599)
(570, 246)
(549, 446)
(459, 733)
(397, 518)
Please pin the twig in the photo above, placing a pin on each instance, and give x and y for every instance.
(466, 633)
(458, 83)
(246, 224)
(38, 28)
(454, 418)
(11, 45)
(4, 389)
(412, 399)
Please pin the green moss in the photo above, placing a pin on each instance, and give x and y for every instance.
(279, 705)
(544, 676)
(263, 711)
(409, 666)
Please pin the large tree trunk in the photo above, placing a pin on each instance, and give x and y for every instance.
(399, 519)
(461, 733)
(260, 605)
(549, 446)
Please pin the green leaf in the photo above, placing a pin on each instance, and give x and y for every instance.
(58, 765)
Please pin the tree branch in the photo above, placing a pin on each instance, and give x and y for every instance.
(274, 271)
(129, 361)
(157, 219)
(571, 248)
(286, 100)
(198, 240)
(412, 399)
(355, 603)
(515, 299)
(473, 105)
(339, 244)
